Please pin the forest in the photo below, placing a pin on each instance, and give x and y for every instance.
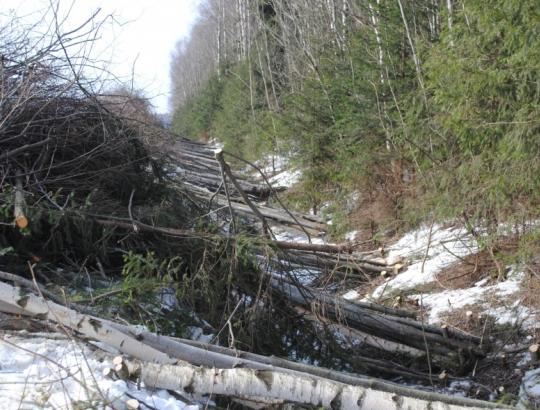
(342, 212)
(429, 108)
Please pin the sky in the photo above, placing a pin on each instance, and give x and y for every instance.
(136, 40)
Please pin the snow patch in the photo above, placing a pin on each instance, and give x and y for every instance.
(426, 251)
(297, 237)
(480, 295)
(285, 179)
(529, 392)
(278, 170)
(57, 373)
(351, 236)
(351, 295)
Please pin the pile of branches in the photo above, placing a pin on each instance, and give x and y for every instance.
(71, 158)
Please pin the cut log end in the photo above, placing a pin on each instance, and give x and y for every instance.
(534, 351)
(132, 404)
(443, 376)
(21, 221)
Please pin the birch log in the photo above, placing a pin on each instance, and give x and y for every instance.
(400, 330)
(158, 369)
(87, 325)
(291, 388)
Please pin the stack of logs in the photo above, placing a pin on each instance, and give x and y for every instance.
(394, 330)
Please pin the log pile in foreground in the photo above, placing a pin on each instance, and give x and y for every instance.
(167, 363)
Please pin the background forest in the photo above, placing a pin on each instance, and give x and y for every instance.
(427, 108)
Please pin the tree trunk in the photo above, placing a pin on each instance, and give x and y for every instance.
(289, 388)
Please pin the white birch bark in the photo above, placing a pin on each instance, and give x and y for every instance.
(450, 20)
(411, 44)
(89, 326)
(289, 388)
(158, 369)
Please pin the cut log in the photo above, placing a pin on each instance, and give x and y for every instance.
(534, 351)
(303, 389)
(87, 325)
(200, 167)
(160, 369)
(18, 203)
(400, 330)
(331, 262)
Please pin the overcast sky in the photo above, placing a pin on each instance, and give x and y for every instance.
(140, 38)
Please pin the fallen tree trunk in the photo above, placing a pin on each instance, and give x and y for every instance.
(317, 261)
(272, 214)
(159, 367)
(290, 388)
(200, 165)
(282, 217)
(204, 354)
(87, 325)
(448, 345)
(369, 364)
(334, 263)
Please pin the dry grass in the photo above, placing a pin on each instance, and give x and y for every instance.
(468, 271)
(477, 266)
(475, 323)
(382, 198)
(530, 290)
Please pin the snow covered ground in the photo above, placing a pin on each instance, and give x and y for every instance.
(54, 372)
(297, 237)
(286, 178)
(426, 252)
(278, 170)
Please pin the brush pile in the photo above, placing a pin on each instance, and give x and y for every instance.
(68, 156)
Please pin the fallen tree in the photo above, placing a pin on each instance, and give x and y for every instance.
(453, 348)
(198, 166)
(163, 370)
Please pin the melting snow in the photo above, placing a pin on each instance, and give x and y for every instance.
(430, 249)
(285, 178)
(297, 237)
(427, 251)
(351, 236)
(529, 392)
(56, 373)
(480, 295)
(278, 171)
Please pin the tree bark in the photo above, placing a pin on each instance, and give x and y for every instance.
(290, 388)
(87, 325)
(448, 346)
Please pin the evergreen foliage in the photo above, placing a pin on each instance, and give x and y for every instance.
(483, 86)
(454, 95)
